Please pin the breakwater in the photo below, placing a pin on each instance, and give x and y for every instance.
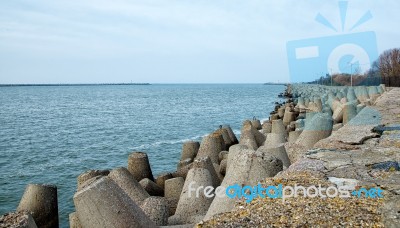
(218, 160)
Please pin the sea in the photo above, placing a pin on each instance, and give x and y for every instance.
(51, 134)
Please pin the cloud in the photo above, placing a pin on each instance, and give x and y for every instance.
(189, 32)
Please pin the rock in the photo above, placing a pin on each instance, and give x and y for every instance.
(104, 204)
(20, 219)
(152, 188)
(41, 202)
(173, 189)
(139, 166)
(156, 208)
(124, 179)
(225, 135)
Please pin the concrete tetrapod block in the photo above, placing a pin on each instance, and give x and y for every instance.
(193, 204)
(210, 146)
(41, 202)
(156, 208)
(338, 114)
(319, 127)
(231, 134)
(223, 155)
(222, 166)
(190, 150)
(274, 139)
(124, 179)
(293, 136)
(246, 132)
(89, 175)
(267, 127)
(278, 152)
(247, 138)
(281, 112)
(206, 163)
(288, 117)
(74, 221)
(225, 135)
(351, 96)
(245, 167)
(183, 163)
(160, 180)
(152, 188)
(173, 189)
(104, 204)
(139, 166)
(182, 172)
(20, 219)
(278, 127)
(256, 124)
(349, 112)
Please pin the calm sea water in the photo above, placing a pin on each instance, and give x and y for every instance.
(52, 134)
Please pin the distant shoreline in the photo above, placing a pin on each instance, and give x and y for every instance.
(71, 84)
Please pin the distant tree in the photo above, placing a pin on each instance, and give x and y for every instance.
(389, 63)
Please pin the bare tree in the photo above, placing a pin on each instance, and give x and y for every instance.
(389, 63)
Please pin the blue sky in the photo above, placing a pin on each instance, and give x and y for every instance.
(170, 41)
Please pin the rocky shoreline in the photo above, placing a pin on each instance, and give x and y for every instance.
(341, 136)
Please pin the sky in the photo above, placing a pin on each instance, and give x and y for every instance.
(174, 41)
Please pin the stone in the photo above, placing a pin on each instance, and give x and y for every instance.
(104, 204)
(139, 166)
(20, 219)
(41, 202)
